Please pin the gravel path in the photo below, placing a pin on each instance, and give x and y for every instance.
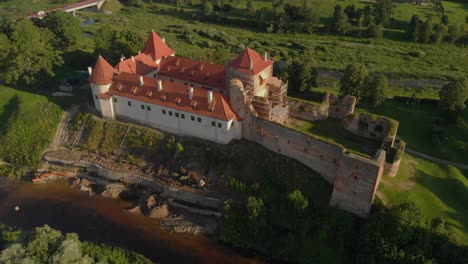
(436, 160)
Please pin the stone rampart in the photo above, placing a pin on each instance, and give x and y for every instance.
(144, 181)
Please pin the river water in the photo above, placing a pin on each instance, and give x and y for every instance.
(104, 220)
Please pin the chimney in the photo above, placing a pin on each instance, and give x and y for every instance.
(164, 40)
(190, 92)
(139, 52)
(251, 64)
(141, 81)
(210, 96)
(133, 58)
(121, 58)
(90, 70)
(266, 56)
(160, 86)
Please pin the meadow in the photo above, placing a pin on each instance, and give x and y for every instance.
(220, 43)
(24, 131)
(438, 190)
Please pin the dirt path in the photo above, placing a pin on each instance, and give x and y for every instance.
(404, 82)
(436, 160)
(61, 134)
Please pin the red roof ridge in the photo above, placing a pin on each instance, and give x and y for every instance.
(157, 47)
(102, 72)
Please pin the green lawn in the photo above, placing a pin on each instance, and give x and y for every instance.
(27, 124)
(438, 190)
(332, 130)
(418, 128)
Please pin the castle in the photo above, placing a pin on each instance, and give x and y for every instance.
(223, 103)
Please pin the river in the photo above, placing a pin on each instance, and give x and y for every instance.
(104, 220)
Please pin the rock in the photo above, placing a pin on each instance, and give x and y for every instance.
(86, 183)
(135, 210)
(159, 212)
(113, 190)
(76, 183)
(151, 202)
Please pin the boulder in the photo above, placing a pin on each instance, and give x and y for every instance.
(152, 202)
(159, 212)
(135, 210)
(113, 190)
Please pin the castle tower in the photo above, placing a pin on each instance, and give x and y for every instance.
(100, 79)
(157, 48)
(252, 70)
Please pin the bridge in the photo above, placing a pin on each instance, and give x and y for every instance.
(70, 8)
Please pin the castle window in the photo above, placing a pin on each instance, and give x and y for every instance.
(199, 120)
(142, 107)
(170, 113)
(176, 114)
(185, 83)
(148, 108)
(163, 112)
(95, 96)
(213, 123)
(193, 118)
(115, 100)
(192, 84)
(129, 103)
(220, 125)
(154, 75)
(172, 80)
(182, 116)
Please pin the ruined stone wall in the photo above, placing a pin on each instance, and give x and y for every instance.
(356, 183)
(355, 178)
(307, 111)
(339, 107)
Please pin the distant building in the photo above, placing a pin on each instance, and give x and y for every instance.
(184, 96)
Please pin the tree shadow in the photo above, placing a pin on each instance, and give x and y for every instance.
(452, 192)
(10, 111)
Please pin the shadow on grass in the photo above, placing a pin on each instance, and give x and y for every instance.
(452, 192)
(10, 111)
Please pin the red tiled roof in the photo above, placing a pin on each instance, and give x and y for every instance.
(156, 47)
(213, 75)
(104, 96)
(242, 63)
(141, 64)
(128, 85)
(102, 72)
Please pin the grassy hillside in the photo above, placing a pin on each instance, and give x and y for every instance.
(27, 124)
(424, 130)
(438, 190)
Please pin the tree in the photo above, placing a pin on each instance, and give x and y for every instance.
(342, 25)
(440, 32)
(444, 20)
(302, 75)
(453, 96)
(367, 16)
(255, 207)
(454, 33)
(30, 54)
(375, 31)
(414, 27)
(69, 251)
(383, 11)
(207, 8)
(15, 254)
(425, 33)
(298, 200)
(353, 81)
(376, 90)
(66, 28)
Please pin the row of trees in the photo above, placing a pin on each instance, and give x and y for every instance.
(425, 31)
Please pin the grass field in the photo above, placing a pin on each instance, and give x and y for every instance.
(17, 8)
(418, 128)
(27, 124)
(438, 190)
